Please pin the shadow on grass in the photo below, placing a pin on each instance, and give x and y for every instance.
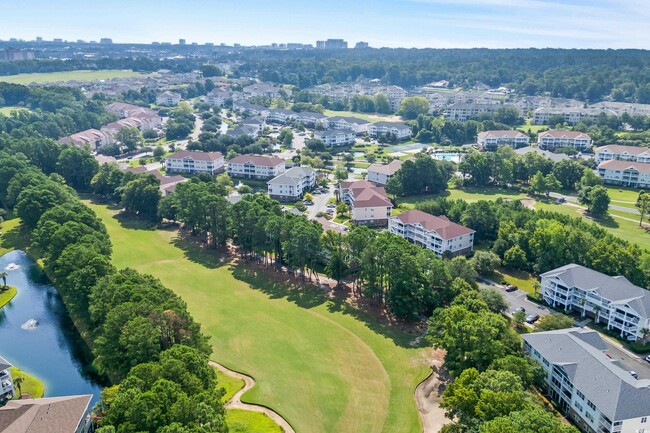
(131, 222)
(199, 253)
(15, 239)
(284, 286)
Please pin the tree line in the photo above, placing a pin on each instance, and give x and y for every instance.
(140, 332)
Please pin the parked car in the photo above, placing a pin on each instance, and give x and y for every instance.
(633, 374)
(331, 206)
(511, 288)
(560, 200)
(518, 309)
(647, 358)
(532, 318)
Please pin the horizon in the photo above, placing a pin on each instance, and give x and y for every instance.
(462, 24)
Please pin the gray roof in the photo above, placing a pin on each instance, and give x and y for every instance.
(310, 114)
(51, 415)
(550, 155)
(292, 176)
(580, 353)
(398, 125)
(617, 289)
(242, 130)
(4, 364)
(333, 132)
(348, 119)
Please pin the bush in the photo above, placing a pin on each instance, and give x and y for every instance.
(640, 348)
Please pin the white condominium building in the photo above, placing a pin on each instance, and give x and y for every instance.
(493, 139)
(625, 173)
(255, 166)
(336, 137)
(555, 138)
(186, 161)
(612, 301)
(292, 184)
(623, 153)
(437, 234)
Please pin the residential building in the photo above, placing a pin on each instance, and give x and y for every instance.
(332, 44)
(292, 184)
(309, 118)
(612, 301)
(6, 382)
(255, 166)
(336, 137)
(381, 173)
(357, 125)
(623, 153)
(632, 174)
(242, 107)
(590, 386)
(253, 131)
(265, 90)
(466, 111)
(186, 161)
(435, 233)
(571, 115)
(219, 97)
(369, 204)
(70, 414)
(168, 98)
(400, 130)
(395, 95)
(280, 115)
(257, 122)
(555, 157)
(555, 138)
(91, 138)
(361, 44)
(490, 140)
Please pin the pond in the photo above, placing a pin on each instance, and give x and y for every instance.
(53, 350)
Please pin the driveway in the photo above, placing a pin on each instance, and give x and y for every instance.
(516, 299)
(320, 202)
(626, 359)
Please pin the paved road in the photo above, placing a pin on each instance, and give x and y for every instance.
(516, 299)
(574, 199)
(320, 202)
(627, 359)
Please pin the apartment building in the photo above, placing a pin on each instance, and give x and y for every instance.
(612, 301)
(400, 130)
(6, 382)
(381, 173)
(90, 138)
(435, 233)
(554, 138)
(359, 126)
(168, 98)
(588, 385)
(186, 161)
(369, 204)
(255, 166)
(253, 131)
(309, 118)
(292, 184)
(623, 153)
(243, 107)
(490, 140)
(625, 173)
(281, 116)
(466, 111)
(69, 414)
(219, 97)
(336, 137)
(571, 115)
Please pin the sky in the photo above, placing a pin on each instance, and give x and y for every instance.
(382, 23)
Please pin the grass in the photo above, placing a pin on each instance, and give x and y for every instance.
(47, 77)
(244, 421)
(31, 385)
(369, 117)
(469, 194)
(7, 110)
(533, 128)
(622, 196)
(522, 279)
(321, 364)
(11, 237)
(6, 295)
(230, 384)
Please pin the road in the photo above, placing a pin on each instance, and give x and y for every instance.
(627, 360)
(320, 202)
(574, 199)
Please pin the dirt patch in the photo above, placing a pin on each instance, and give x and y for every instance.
(428, 395)
(529, 203)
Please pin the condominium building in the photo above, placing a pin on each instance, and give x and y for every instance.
(92, 139)
(613, 301)
(292, 184)
(355, 124)
(623, 153)
(626, 173)
(309, 118)
(435, 233)
(588, 384)
(336, 137)
(466, 111)
(381, 173)
(555, 138)
(168, 98)
(69, 414)
(255, 166)
(490, 140)
(571, 115)
(6, 383)
(280, 115)
(400, 130)
(186, 161)
(369, 204)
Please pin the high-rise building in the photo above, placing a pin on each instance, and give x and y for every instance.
(39, 39)
(332, 44)
(182, 42)
(106, 41)
(362, 44)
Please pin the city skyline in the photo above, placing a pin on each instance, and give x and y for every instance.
(382, 23)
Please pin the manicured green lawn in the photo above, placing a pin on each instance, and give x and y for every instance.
(6, 295)
(322, 365)
(522, 279)
(230, 384)
(533, 128)
(7, 110)
(469, 194)
(620, 196)
(243, 421)
(30, 385)
(11, 237)
(369, 117)
(47, 77)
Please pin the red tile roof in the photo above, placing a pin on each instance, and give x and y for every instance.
(197, 156)
(441, 225)
(617, 148)
(615, 164)
(370, 197)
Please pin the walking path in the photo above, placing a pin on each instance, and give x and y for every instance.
(428, 395)
(236, 403)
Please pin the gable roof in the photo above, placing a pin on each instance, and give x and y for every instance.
(387, 169)
(197, 156)
(617, 148)
(580, 353)
(333, 132)
(440, 224)
(348, 119)
(615, 164)
(572, 135)
(266, 161)
(44, 415)
(501, 134)
(370, 197)
(397, 125)
(293, 176)
(546, 153)
(4, 364)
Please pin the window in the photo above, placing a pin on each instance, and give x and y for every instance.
(591, 405)
(644, 420)
(581, 395)
(589, 416)
(578, 406)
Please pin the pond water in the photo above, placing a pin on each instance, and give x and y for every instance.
(37, 335)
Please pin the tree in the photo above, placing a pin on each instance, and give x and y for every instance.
(78, 167)
(422, 176)
(533, 420)
(494, 299)
(343, 210)
(460, 267)
(158, 153)
(107, 181)
(554, 321)
(131, 138)
(551, 184)
(569, 172)
(643, 204)
(337, 249)
(3, 275)
(141, 195)
(413, 106)
(18, 382)
(382, 105)
(515, 258)
(590, 178)
(538, 183)
(595, 198)
(519, 318)
(485, 262)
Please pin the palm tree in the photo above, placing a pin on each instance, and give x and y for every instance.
(3, 275)
(645, 333)
(582, 302)
(18, 381)
(597, 309)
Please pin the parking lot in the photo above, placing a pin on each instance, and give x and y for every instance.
(517, 299)
(627, 360)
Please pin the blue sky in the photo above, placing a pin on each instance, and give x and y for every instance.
(390, 23)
